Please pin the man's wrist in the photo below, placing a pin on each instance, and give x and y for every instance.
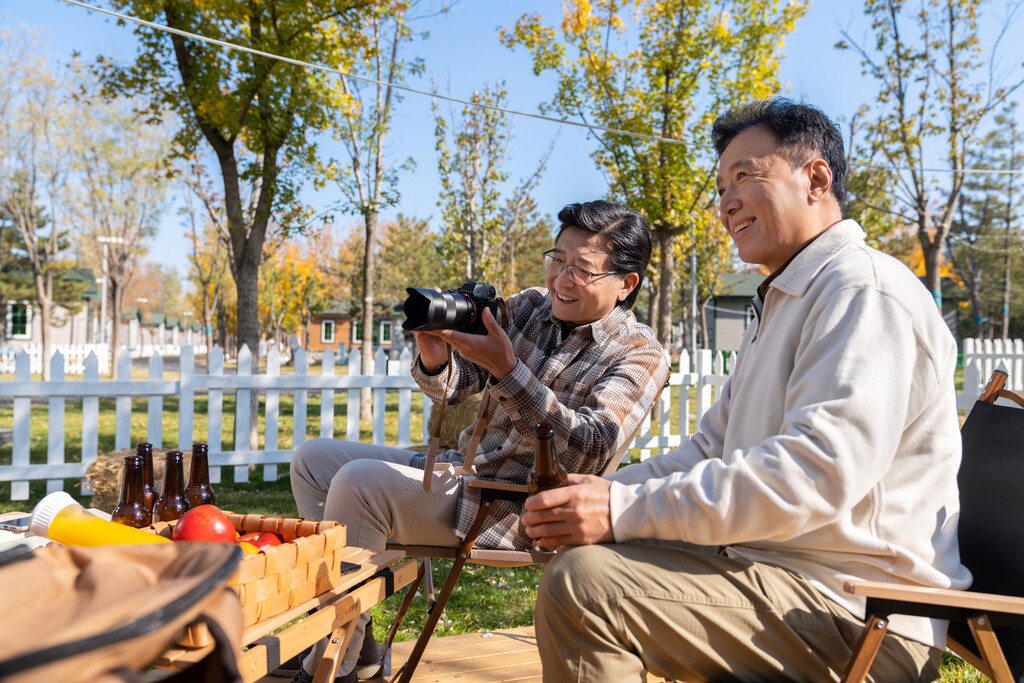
(427, 371)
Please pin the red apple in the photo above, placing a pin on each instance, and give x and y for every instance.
(204, 523)
(260, 539)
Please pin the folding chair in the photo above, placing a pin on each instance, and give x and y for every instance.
(490, 491)
(986, 621)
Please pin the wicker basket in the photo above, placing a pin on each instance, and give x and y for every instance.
(306, 564)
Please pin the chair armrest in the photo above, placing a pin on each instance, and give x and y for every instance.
(981, 602)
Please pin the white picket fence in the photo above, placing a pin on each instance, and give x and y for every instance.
(982, 357)
(75, 354)
(707, 377)
(388, 376)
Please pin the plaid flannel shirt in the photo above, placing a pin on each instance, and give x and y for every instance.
(595, 387)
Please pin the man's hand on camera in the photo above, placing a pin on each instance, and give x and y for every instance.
(433, 351)
(492, 351)
(577, 514)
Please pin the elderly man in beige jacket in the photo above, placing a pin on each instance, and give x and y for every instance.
(831, 454)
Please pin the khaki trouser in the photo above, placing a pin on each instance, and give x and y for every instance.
(607, 612)
(375, 492)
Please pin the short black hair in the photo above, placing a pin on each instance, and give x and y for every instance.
(801, 130)
(626, 231)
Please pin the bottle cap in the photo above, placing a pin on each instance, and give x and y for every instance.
(46, 509)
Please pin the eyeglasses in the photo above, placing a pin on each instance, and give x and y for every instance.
(580, 276)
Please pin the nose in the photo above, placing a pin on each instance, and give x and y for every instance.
(728, 204)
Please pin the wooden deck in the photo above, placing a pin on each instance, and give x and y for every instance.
(509, 655)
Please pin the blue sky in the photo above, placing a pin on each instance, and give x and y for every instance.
(462, 55)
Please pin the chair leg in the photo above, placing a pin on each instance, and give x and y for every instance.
(404, 675)
(410, 593)
(337, 643)
(865, 650)
(988, 644)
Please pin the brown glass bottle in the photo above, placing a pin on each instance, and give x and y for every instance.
(547, 472)
(171, 504)
(146, 451)
(131, 508)
(199, 491)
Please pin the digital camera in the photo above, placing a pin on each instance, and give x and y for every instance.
(459, 309)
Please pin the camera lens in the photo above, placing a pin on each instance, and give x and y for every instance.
(426, 309)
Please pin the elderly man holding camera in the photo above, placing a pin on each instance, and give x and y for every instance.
(573, 355)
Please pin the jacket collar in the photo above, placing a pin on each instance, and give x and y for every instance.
(601, 330)
(799, 274)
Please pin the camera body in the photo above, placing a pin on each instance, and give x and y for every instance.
(459, 309)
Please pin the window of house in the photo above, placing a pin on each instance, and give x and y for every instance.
(385, 332)
(19, 321)
(357, 332)
(327, 332)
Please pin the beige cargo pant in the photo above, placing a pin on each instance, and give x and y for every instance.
(378, 494)
(608, 612)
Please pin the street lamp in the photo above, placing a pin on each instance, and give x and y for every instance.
(188, 331)
(105, 240)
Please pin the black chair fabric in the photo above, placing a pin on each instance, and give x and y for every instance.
(991, 524)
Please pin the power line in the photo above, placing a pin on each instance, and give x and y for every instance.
(319, 67)
(590, 127)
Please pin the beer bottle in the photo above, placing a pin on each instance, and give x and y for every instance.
(547, 472)
(199, 491)
(171, 504)
(146, 451)
(131, 509)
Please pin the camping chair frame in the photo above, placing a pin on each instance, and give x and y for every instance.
(982, 612)
(490, 491)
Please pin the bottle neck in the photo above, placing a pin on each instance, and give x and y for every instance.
(174, 476)
(545, 460)
(199, 473)
(131, 484)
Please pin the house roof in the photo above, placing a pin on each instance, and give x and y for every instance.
(739, 285)
(84, 276)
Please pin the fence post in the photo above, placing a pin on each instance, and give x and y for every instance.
(702, 366)
(327, 397)
(155, 422)
(123, 419)
(352, 401)
(186, 397)
(22, 434)
(215, 410)
(299, 413)
(273, 402)
(55, 424)
(243, 368)
(405, 400)
(380, 369)
(90, 419)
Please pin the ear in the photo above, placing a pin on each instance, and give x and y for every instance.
(820, 176)
(629, 283)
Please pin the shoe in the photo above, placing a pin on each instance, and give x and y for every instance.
(369, 665)
(302, 677)
(288, 669)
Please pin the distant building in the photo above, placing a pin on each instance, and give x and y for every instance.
(731, 310)
(22, 324)
(337, 329)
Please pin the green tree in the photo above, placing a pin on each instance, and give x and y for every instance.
(36, 123)
(122, 188)
(259, 116)
(481, 231)
(665, 69)
(368, 180)
(933, 95)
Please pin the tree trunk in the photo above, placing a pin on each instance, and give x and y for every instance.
(1007, 259)
(979, 318)
(366, 348)
(44, 319)
(668, 266)
(115, 316)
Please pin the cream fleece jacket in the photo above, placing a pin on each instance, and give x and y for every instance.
(833, 448)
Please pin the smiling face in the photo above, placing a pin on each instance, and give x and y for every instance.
(770, 208)
(580, 304)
